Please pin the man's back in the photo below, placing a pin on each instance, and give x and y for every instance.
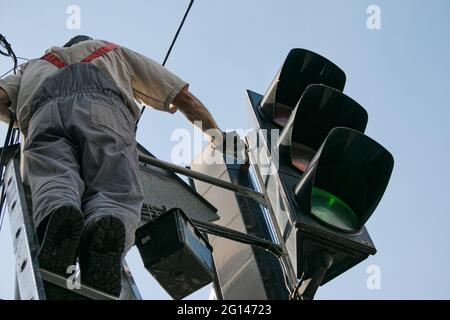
(136, 76)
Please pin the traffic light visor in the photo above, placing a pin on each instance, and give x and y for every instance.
(319, 110)
(300, 69)
(345, 180)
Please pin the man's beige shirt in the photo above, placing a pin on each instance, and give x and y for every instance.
(138, 78)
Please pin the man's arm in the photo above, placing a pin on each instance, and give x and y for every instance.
(9, 92)
(195, 112)
(155, 86)
(4, 106)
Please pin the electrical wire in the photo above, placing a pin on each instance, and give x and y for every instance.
(294, 294)
(2, 209)
(285, 276)
(6, 72)
(11, 70)
(171, 47)
(178, 32)
(5, 45)
(9, 51)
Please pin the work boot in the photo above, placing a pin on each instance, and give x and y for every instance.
(61, 239)
(60, 235)
(101, 250)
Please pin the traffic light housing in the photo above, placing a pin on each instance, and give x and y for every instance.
(329, 176)
(176, 253)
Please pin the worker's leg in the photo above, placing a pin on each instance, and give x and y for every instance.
(110, 163)
(112, 185)
(52, 171)
(51, 163)
(113, 197)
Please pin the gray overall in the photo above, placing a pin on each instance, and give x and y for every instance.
(81, 148)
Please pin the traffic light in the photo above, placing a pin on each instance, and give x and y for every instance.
(328, 178)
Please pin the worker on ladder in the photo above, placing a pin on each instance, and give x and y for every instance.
(76, 108)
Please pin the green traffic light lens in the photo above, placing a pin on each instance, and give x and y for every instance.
(331, 210)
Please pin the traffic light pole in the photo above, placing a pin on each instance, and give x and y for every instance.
(287, 264)
(320, 267)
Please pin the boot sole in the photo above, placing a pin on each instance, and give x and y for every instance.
(101, 253)
(62, 237)
(60, 247)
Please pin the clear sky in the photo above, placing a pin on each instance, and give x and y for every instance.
(398, 73)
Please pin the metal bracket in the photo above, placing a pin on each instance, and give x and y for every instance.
(257, 196)
(239, 237)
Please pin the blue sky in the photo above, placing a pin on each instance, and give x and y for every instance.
(399, 74)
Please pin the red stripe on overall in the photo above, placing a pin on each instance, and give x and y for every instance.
(50, 57)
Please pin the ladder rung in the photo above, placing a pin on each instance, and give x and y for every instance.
(84, 290)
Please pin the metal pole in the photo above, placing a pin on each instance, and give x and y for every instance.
(257, 196)
(238, 236)
(216, 282)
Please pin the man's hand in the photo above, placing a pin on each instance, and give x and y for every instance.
(232, 145)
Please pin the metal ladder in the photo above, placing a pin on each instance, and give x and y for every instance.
(30, 278)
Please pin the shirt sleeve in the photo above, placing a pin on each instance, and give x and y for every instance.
(152, 84)
(11, 85)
